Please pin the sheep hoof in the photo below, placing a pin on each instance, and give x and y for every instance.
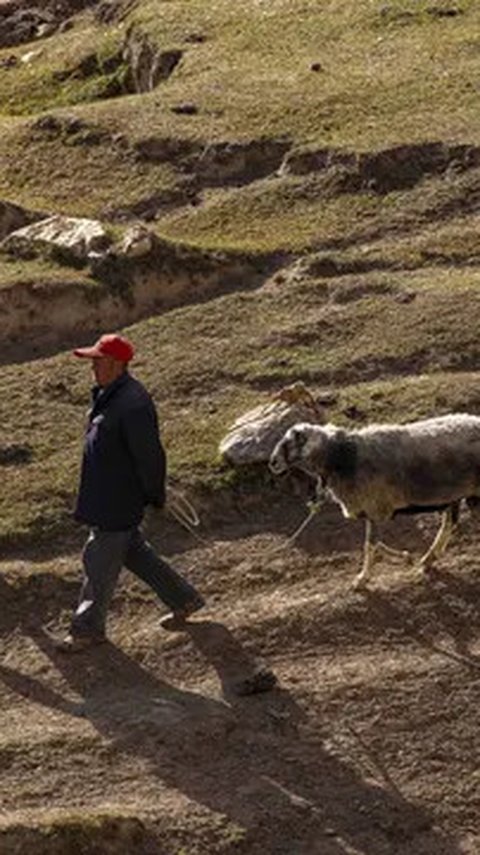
(424, 570)
(359, 583)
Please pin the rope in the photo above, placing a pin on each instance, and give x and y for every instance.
(182, 510)
(180, 507)
(314, 508)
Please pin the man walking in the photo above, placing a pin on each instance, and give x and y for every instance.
(123, 470)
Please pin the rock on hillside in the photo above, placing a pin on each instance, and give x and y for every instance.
(76, 237)
(252, 437)
(22, 22)
(93, 284)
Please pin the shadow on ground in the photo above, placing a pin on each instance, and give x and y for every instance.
(261, 760)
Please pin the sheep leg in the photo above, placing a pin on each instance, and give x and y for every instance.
(449, 518)
(369, 549)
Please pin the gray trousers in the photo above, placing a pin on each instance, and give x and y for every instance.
(104, 555)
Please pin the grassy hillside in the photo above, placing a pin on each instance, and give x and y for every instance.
(385, 75)
(343, 135)
(312, 173)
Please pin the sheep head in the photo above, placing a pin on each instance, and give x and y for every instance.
(304, 446)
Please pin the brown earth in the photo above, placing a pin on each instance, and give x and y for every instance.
(368, 743)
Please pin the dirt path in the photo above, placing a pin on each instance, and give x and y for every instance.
(368, 744)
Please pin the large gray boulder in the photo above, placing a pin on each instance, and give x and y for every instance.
(75, 236)
(253, 436)
(21, 22)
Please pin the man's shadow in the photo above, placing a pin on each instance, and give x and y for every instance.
(258, 760)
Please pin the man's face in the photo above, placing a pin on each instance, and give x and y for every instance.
(106, 369)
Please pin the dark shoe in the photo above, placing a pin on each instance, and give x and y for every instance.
(176, 620)
(79, 643)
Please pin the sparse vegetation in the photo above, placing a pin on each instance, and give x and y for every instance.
(381, 297)
(335, 149)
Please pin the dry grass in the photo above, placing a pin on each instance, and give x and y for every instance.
(254, 65)
(397, 295)
(377, 309)
(383, 81)
(363, 338)
(59, 173)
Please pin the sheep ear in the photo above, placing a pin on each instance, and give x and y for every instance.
(300, 439)
(341, 457)
(293, 447)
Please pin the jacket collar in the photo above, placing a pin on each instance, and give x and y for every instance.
(100, 395)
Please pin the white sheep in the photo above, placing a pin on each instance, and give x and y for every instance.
(379, 471)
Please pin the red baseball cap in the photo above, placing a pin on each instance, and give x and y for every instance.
(109, 344)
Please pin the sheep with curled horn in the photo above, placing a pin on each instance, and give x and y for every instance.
(382, 470)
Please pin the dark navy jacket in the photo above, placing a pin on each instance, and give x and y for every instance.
(124, 465)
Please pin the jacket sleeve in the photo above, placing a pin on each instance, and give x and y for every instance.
(140, 430)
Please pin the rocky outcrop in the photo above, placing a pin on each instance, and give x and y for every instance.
(113, 11)
(137, 65)
(19, 24)
(73, 237)
(236, 163)
(327, 171)
(139, 276)
(148, 269)
(22, 21)
(147, 64)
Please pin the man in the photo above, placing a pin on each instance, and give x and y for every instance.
(123, 470)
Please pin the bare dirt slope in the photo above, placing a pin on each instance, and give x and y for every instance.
(368, 743)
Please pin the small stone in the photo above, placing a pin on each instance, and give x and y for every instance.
(196, 38)
(185, 109)
(261, 681)
(329, 831)
(66, 25)
(47, 123)
(450, 12)
(354, 413)
(45, 30)
(405, 297)
(9, 61)
(316, 66)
